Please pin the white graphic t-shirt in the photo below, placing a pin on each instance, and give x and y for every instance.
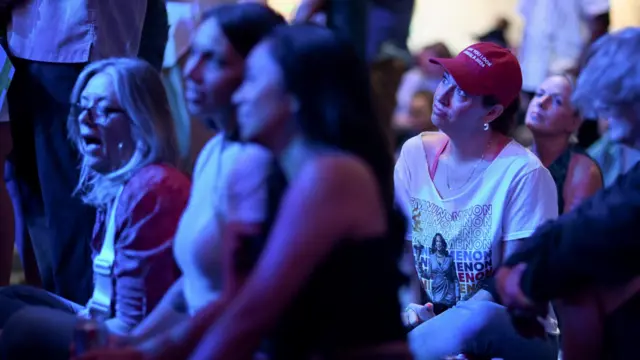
(457, 241)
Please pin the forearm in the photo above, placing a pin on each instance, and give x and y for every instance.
(171, 310)
(183, 338)
(602, 229)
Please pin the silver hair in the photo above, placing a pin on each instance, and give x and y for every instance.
(141, 93)
(611, 76)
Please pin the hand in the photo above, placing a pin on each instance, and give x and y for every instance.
(507, 281)
(307, 9)
(416, 314)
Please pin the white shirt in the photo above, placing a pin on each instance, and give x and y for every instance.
(76, 31)
(555, 34)
(229, 184)
(506, 202)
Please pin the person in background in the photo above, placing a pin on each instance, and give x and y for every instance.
(556, 263)
(472, 184)
(50, 42)
(122, 126)
(418, 119)
(498, 34)
(555, 38)
(424, 77)
(614, 158)
(155, 33)
(553, 121)
(368, 24)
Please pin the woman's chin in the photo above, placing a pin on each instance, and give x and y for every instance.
(96, 164)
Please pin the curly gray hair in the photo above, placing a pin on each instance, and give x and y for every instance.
(611, 76)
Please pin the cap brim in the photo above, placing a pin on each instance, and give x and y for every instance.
(459, 71)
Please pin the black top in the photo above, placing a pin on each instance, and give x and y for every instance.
(351, 299)
(559, 169)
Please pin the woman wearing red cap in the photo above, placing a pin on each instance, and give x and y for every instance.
(483, 193)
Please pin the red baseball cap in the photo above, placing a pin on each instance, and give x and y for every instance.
(486, 69)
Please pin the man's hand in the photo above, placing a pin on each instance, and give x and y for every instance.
(307, 9)
(508, 287)
(416, 314)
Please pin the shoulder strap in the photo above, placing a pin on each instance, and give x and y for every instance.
(100, 303)
(433, 164)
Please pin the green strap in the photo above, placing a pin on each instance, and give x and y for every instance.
(6, 74)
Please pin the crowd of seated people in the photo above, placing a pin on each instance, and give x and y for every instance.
(298, 228)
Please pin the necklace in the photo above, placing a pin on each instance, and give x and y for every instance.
(472, 171)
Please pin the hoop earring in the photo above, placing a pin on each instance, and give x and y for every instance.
(486, 127)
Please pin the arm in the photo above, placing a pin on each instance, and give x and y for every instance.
(144, 268)
(532, 201)
(408, 267)
(336, 192)
(583, 182)
(559, 257)
(171, 310)
(401, 179)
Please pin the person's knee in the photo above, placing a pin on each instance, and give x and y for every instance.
(484, 317)
(16, 340)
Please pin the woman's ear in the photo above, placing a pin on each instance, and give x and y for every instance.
(494, 112)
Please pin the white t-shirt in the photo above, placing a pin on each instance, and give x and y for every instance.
(555, 35)
(229, 184)
(507, 201)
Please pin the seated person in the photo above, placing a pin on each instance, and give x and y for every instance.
(123, 128)
(417, 120)
(553, 121)
(229, 176)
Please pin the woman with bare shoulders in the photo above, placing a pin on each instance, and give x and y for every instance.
(330, 261)
(553, 120)
(483, 193)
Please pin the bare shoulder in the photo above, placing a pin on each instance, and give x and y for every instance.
(345, 190)
(585, 169)
(339, 173)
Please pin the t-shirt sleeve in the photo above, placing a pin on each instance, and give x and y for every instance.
(532, 201)
(592, 8)
(247, 185)
(401, 180)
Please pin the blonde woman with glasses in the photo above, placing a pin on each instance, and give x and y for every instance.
(121, 123)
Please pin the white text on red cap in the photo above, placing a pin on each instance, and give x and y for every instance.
(477, 57)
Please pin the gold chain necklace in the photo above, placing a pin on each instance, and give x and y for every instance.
(472, 171)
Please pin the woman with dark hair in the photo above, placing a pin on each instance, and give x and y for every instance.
(314, 281)
(229, 177)
(475, 186)
(553, 121)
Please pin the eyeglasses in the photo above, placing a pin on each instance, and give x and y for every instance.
(96, 111)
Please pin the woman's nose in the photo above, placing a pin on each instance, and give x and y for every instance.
(543, 103)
